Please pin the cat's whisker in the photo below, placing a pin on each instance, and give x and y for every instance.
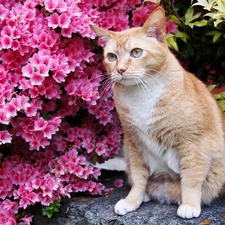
(150, 83)
(105, 87)
(143, 86)
(153, 79)
(138, 82)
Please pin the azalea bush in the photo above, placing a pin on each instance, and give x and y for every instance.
(57, 116)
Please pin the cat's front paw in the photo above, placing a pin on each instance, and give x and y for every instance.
(187, 211)
(122, 207)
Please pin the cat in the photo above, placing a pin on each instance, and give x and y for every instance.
(174, 130)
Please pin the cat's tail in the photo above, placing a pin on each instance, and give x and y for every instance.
(164, 189)
(167, 189)
(222, 192)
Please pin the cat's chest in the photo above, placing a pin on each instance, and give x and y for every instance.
(141, 105)
(142, 114)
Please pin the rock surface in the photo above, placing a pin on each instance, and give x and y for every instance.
(99, 210)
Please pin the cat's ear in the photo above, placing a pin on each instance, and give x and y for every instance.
(103, 35)
(155, 26)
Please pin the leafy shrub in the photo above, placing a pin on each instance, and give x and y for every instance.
(200, 40)
(220, 97)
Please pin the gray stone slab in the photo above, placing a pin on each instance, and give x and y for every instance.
(99, 210)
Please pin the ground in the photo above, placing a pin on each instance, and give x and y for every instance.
(99, 210)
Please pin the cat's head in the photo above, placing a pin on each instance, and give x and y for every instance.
(132, 55)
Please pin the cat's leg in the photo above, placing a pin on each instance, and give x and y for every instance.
(138, 176)
(194, 168)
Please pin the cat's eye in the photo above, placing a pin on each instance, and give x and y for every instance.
(112, 57)
(136, 52)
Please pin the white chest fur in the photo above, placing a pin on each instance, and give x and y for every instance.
(141, 104)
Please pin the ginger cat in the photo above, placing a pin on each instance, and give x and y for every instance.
(174, 130)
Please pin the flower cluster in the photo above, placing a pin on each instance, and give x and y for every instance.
(57, 117)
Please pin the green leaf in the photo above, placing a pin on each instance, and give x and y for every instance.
(94, 158)
(220, 51)
(56, 210)
(171, 40)
(217, 96)
(189, 15)
(182, 35)
(216, 35)
(211, 87)
(201, 23)
(222, 104)
(49, 215)
(49, 210)
(47, 13)
(223, 94)
(175, 19)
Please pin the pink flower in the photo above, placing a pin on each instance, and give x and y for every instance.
(36, 79)
(20, 102)
(15, 45)
(90, 186)
(51, 5)
(107, 190)
(37, 143)
(3, 12)
(118, 183)
(58, 5)
(35, 105)
(26, 197)
(27, 220)
(5, 170)
(10, 206)
(53, 20)
(50, 130)
(100, 149)
(6, 42)
(5, 137)
(6, 188)
(64, 20)
(28, 70)
(43, 70)
(140, 15)
(171, 27)
(10, 110)
(40, 124)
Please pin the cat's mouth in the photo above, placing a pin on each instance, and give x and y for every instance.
(124, 79)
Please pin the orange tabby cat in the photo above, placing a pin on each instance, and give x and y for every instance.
(174, 130)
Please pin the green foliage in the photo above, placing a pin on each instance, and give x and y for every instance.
(200, 40)
(51, 209)
(219, 97)
(216, 9)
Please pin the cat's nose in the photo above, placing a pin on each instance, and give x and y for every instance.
(121, 71)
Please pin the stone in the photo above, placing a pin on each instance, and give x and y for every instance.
(84, 209)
